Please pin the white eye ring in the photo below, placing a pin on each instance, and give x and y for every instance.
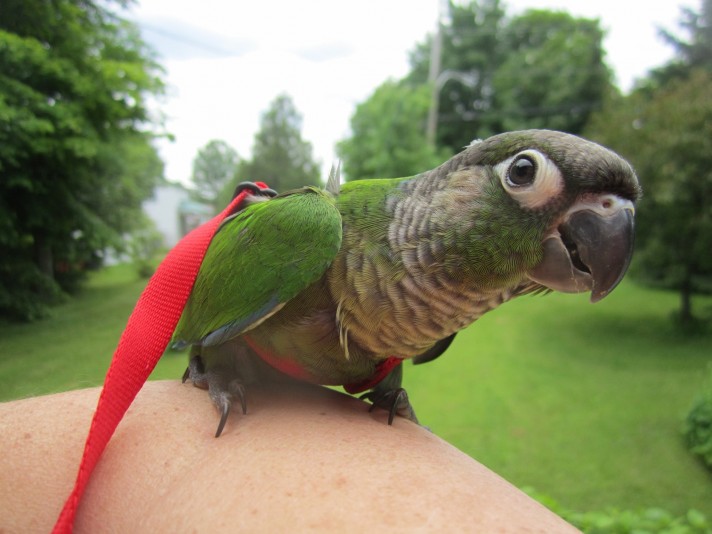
(546, 183)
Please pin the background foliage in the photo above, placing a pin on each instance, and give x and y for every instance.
(664, 127)
(280, 157)
(698, 424)
(75, 158)
(387, 134)
(497, 73)
(213, 170)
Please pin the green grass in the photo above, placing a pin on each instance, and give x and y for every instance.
(73, 348)
(584, 403)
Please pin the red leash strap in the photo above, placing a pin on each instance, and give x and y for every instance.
(145, 338)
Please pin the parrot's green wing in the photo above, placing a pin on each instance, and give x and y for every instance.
(258, 260)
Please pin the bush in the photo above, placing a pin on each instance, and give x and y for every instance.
(698, 425)
(613, 521)
(639, 521)
(144, 245)
(25, 292)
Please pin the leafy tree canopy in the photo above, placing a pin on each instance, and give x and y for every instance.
(553, 75)
(472, 49)
(541, 69)
(280, 157)
(214, 169)
(75, 156)
(388, 134)
(665, 129)
(694, 50)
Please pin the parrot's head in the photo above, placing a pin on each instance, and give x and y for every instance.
(573, 200)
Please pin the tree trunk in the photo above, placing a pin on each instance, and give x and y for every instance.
(43, 256)
(686, 299)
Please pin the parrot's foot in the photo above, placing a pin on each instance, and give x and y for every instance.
(394, 400)
(223, 391)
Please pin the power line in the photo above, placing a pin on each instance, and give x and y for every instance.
(182, 39)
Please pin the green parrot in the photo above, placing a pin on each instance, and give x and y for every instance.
(339, 286)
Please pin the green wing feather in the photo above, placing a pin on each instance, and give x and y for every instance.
(258, 260)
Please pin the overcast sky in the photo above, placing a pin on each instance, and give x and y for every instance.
(227, 60)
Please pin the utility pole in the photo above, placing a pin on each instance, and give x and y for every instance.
(434, 73)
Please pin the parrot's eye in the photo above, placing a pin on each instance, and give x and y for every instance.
(530, 178)
(522, 171)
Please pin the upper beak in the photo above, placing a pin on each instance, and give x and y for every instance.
(591, 249)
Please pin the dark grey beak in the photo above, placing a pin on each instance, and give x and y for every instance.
(591, 250)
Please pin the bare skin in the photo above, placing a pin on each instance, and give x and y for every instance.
(304, 458)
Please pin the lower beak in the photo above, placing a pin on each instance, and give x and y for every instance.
(591, 250)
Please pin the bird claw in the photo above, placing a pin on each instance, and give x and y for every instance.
(394, 400)
(196, 372)
(223, 394)
(224, 412)
(223, 399)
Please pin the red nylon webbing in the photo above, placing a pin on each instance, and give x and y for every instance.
(145, 338)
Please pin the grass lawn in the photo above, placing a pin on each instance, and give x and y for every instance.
(583, 403)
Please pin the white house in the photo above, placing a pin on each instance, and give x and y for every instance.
(174, 213)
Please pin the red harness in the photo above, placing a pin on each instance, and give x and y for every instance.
(295, 371)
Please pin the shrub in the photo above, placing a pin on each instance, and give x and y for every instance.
(638, 521)
(698, 425)
(614, 521)
(25, 292)
(144, 246)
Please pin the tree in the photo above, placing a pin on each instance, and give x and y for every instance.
(695, 50)
(471, 51)
(280, 157)
(214, 167)
(540, 69)
(75, 156)
(667, 136)
(388, 134)
(665, 128)
(553, 76)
